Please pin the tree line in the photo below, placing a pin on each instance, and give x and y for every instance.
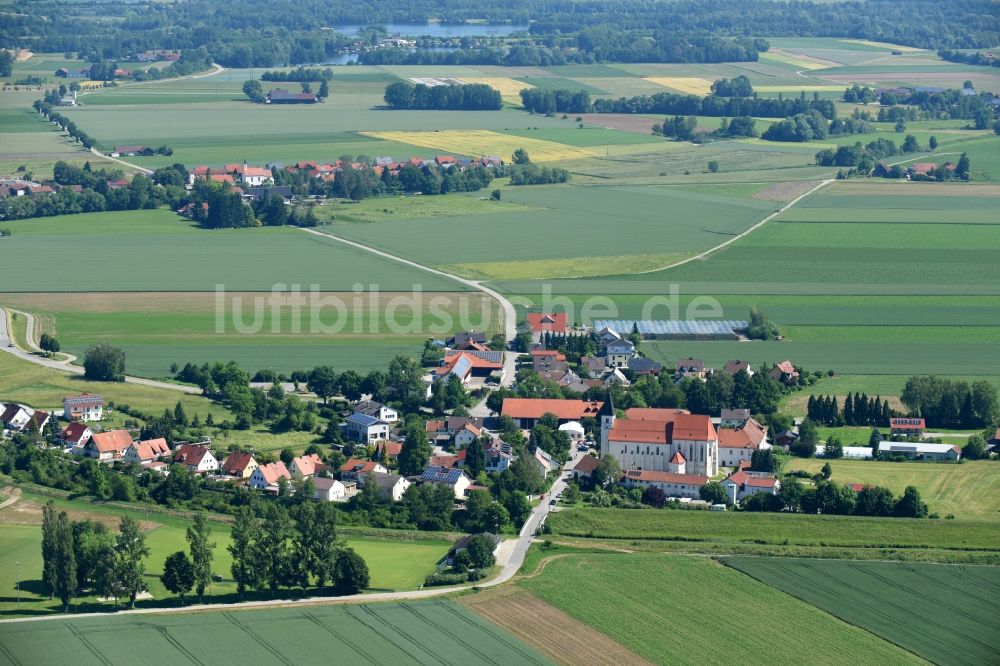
(299, 74)
(464, 97)
(859, 410)
(946, 403)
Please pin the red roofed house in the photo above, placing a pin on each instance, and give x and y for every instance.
(468, 364)
(147, 451)
(544, 322)
(906, 427)
(738, 444)
(240, 464)
(785, 372)
(304, 467)
(648, 439)
(526, 411)
(108, 446)
(585, 467)
(76, 434)
(742, 484)
(355, 468)
(673, 485)
(196, 458)
(266, 477)
(389, 450)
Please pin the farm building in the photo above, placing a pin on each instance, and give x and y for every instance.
(526, 411)
(281, 96)
(676, 329)
(849, 452)
(131, 151)
(673, 485)
(920, 450)
(907, 427)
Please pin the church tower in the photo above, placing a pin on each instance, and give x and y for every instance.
(607, 415)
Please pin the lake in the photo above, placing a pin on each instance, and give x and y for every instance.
(440, 30)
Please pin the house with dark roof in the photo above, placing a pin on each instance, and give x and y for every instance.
(377, 410)
(365, 429)
(239, 464)
(454, 478)
(690, 368)
(196, 457)
(83, 407)
(76, 435)
(390, 486)
(732, 368)
(585, 467)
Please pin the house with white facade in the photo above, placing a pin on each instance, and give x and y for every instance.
(196, 458)
(304, 467)
(390, 486)
(329, 490)
(619, 352)
(266, 477)
(76, 435)
(355, 468)
(377, 410)
(648, 438)
(738, 444)
(83, 407)
(365, 429)
(920, 451)
(146, 451)
(742, 484)
(454, 478)
(672, 485)
(108, 446)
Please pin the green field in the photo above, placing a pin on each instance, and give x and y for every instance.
(777, 529)
(395, 563)
(575, 219)
(675, 609)
(418, 632)
(945, 614)
(970, 491)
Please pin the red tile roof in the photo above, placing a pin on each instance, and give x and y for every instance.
(587, 464)
(906, 424)
(544, 321)
(536, 408)
(651, 476)
(74, 432)
(750, 436)
(236, 462)
(274, 471)
(190, 454)
(152, 448)
(678, 459)
(358, 466)
(113, 440)
(308, 465)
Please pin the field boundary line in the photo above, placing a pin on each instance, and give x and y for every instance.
(721, 246)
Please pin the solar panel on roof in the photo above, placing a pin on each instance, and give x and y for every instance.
(726, 327)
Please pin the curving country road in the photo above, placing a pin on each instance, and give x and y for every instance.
(511, 558)
(7, 345)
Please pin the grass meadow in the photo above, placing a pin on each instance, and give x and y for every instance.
(394, 563)
(956, 605)
(416, 632)
(969, 491)
(696, 527)
(705, 606)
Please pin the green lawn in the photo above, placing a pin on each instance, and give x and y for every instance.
(705, 607)
(970, 490)
(956, 605)
(778, 529)
(394, 563)
(418, 632)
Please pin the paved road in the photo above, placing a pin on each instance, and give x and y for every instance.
(64, 366)
(509, 568)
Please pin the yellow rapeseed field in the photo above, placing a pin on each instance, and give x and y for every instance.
(509, 88)
(686, 84)
(475, 143)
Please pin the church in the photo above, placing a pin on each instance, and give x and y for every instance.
(662, 440)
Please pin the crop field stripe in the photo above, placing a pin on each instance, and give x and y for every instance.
(176, 643)
(7, 654)
(378, 628)
(455, 637)
(502, 636)
(260, 641)
(340, 637)
(87, 644)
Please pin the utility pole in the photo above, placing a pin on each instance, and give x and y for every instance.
(18, 565)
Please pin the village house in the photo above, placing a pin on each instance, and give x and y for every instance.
(647, 439)
(733, 368)
(920, 451)
(640, 365)
(785, 373)
(456, 479)
(540, 323)
(448, 459)
(131, 151)
(907, 427)
(585, 468)
(738, 444)
(672, 485)
(527, 411)
(16, 417)
(239, 464)
(390, 486)
(389, 450)
(466, 435)
(498, 460)
(733, 418)
(377, 410)
(548, 360)
(266, 477)
(693, 368)
(574, 430)
(619, 352)
(365, 429)
(545, 463)
(355, 468)
(742, 484)
(196, 458)
(304, 467)
(83, 407)
(108, 446)
(330, 490)
(76, 435)
(470, 364)
(146, 451)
